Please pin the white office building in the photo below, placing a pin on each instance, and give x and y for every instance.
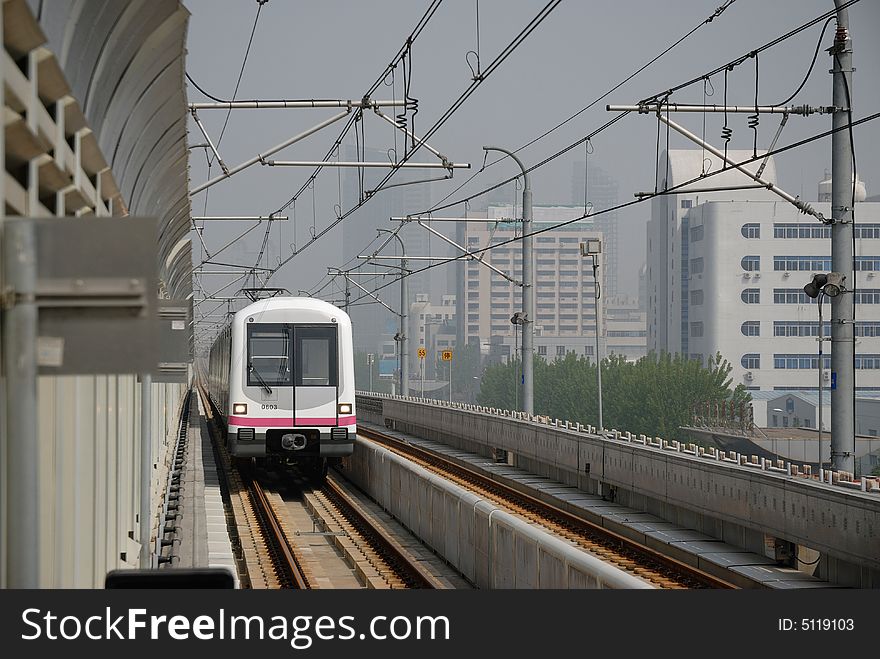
(726, 274)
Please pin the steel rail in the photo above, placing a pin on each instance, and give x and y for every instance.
(553, 516)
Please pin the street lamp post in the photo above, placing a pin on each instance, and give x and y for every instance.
(830, 285)
(401, 337)
(528, 321)
(821, 376)
(593, 248)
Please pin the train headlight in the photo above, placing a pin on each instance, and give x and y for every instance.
(343, 408)
(239, 408)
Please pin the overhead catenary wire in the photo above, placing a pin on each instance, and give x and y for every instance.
(499, 59)
(672, 190)
(596, 100)
(659, 98)
(420, 26)
(739, 60)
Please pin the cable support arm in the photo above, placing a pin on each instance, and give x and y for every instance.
(473, 257)
(210, 142)
(365, 103)
(653, 108)
(262, 156)
(802, 206)
(370, 293)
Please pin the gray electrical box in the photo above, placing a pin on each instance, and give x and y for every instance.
(96, 290)
(175, 347)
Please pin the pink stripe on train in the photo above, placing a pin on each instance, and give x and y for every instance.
(280, 422)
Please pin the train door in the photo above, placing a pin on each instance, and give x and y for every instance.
(269, 369)
(315, 375)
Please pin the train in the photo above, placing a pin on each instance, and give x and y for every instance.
(281, 375)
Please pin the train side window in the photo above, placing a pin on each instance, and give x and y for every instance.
(268, 355)
(315, 357)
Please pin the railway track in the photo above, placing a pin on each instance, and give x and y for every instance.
(627, 554)
(292, 533)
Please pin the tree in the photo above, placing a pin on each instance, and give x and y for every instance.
(655, 395)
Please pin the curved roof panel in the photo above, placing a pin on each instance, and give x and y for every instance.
(124, 62)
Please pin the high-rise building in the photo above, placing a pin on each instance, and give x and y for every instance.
(727, 276)
(594, 186)
(564, 290)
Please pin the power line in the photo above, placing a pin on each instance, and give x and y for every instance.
(646, 197)
(505, 53)
(665, 95)
(592, 103)
(414, 34)
(729, 66)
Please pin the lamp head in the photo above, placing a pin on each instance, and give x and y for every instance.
(815, 286)
(834, 284)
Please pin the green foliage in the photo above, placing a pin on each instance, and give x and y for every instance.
(655, 395)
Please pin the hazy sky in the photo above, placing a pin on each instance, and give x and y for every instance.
(337, 48)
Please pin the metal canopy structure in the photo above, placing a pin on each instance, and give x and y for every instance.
(124, 62)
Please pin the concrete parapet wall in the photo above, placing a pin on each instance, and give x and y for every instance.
(727, 496)
(490, 547)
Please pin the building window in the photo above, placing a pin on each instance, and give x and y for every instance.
(588, 350)
(473, 329)
(800, 328)
(871, 362)
(751, 361)
(801, 230)
(866, 328)
(866, 296)
(542, 350)
(751, 328)
(697, 357)
(696, 266)
(864, 230)
(751, 295)
(751, 230)
(697, 233)
(800, 361)
(870, 263)
(697, 329)
(560, 351)
(686, 203)
(790, 296)
(696, 298)
(812, 263)
(751, 263)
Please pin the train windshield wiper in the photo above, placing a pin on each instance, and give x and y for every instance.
(260, 378)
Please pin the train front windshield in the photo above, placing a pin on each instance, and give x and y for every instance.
(269, 355)
(313, 350)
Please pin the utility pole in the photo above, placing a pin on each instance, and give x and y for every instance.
(528, 296)
(842, 199)
(401, 337)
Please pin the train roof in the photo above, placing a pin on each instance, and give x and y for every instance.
(290, 303)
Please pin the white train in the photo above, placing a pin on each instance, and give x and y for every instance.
(282, 375)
